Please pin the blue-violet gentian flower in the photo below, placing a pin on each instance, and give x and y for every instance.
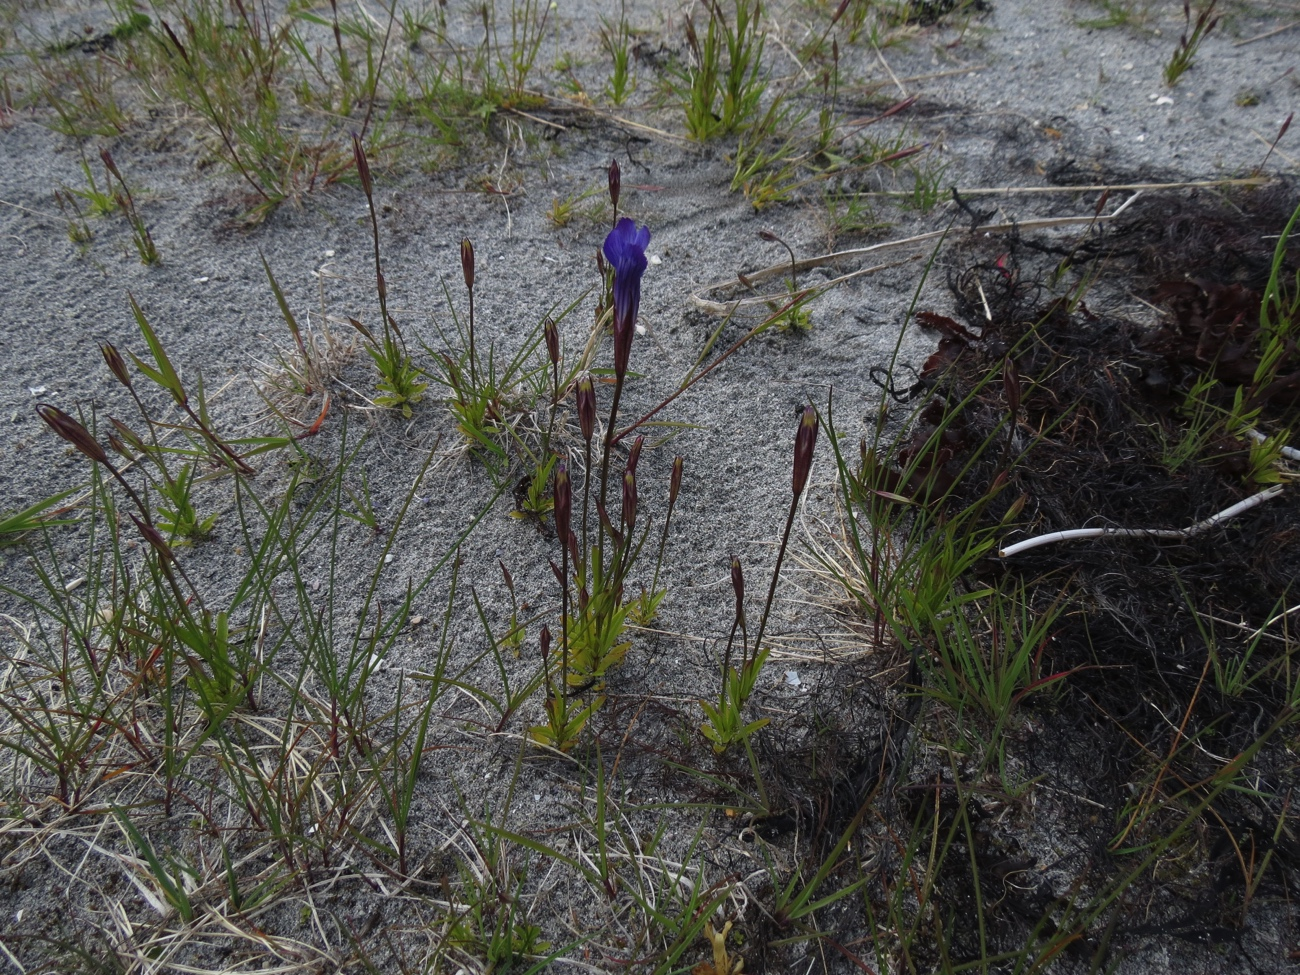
(625, 250)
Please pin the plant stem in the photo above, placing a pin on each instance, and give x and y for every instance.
(586, 497)
(776, 572)
(663, 542)
(473, 368)
(610, 440)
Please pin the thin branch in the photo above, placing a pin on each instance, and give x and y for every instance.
(1290, 453)
(1074, 534)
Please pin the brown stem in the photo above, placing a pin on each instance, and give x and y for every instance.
(776, 573)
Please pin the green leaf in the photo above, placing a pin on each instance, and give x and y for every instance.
(165, 376)
(28, 518)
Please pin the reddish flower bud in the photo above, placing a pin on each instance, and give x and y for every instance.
(546, 644)
(563, 500)
(467, 262)
(608, 525)
(675, 483)
(804, 441)
(634, 454)
(116, 364)
(128, 435)
(1011, 386)
(629, 499)
(154, 538)
(738, 584)
(510, 582)
(111, 166)
(552, 335)
(586, 397)
(363, 167)
(615, 184)
(73, 432)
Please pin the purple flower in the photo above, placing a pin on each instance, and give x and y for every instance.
(625, 250)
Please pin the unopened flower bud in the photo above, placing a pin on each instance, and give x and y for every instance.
(738, 584)
(1011, 386)
(116, 364)
(634, 454)
(128, 435)
(111, 166)
(552, 336)
(804, 441)
(629, 499)
(467, 262)
(510, 582)
(615, 184)
(73, 432)
(586, 397)
(154, 537)
(675, 483)
(607, 524)
(363, 167)
(546, 644)
(563, 500)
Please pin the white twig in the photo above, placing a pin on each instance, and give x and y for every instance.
(1290, 453)
(1076, 533)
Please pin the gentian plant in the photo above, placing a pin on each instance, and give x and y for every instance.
(723, 724)
(598, 552)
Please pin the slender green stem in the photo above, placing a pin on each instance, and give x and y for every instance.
(564, 620)
(586, 497)
(473, 361)
(776, 572)
(555, 400)
(663, 542)
(610, 440)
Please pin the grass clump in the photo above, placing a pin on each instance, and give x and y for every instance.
(1189, 43)
(722, 86)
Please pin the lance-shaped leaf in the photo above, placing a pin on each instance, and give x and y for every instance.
(163, 374)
